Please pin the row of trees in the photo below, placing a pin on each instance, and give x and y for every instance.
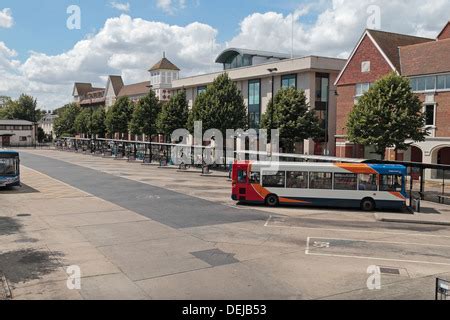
(385, 117)
(220, 107)
(148, 116)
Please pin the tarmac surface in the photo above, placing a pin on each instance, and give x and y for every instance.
(140, 232)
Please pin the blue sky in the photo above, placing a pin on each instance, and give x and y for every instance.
(41, 25)
(41, 57)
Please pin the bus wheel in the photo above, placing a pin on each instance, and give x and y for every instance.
(368, 204)
(272, 200)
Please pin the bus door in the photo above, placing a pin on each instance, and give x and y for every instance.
(240, 181)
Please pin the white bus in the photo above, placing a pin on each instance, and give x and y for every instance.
(364, 186)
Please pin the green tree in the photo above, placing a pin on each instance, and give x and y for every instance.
(65, 123)
(83, 121)
(98, 122)
(24, 108)
(290, 113)
(145, 116)
(174, 115)
(40, 135)
(220, 107)
(269, 119)
(118, 116)
(387, 116)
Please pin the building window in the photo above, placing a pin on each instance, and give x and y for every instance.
(365, 66)
(254, 103)
(22, 139)
(362, 88)
(429, 115)
(289, 81)
(430, 83)
(321, 104)
(201, 89)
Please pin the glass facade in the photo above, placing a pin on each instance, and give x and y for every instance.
(322, 97)
(289, 81)
(254, 103)
(238, 61)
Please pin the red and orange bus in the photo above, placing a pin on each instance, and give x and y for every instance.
(364, 186)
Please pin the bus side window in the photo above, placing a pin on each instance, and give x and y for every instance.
(391, 183)
(242, 176)
(255, 178)
(368, 182)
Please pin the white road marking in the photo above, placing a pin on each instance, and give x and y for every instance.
(307, 252)
(268, 220)
(360, 231)
(376, 258)
(387, 242)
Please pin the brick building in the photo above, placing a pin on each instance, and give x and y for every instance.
(426, 62)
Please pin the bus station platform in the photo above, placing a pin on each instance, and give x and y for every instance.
(431, 213)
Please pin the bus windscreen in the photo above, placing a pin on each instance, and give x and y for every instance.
(8, 167)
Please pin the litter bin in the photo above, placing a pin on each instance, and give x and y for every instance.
(205, 169)
(416, 204)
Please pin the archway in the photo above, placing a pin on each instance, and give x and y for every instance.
(440, 155)
(443, 156)
(416, 154)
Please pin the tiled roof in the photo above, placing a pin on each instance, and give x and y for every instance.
(390, 43)
(426, 58)
(116, 83)
(136, 89)
(445, 33)
(164, 64)
(83, 88)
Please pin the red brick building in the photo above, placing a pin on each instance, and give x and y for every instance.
(426, 62)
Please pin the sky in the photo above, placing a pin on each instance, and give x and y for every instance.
(41, 56)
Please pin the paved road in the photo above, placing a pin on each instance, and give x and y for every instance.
(170, 208)
(246, 252)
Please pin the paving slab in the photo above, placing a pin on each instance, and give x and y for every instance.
(236, 281)
(111, 287)
(155, 258)
(127, 232)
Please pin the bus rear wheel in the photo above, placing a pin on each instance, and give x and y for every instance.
(368, 204)
(272, 200)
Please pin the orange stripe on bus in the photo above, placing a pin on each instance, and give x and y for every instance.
(397, 194)
(356, 168)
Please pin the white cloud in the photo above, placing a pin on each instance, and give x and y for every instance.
(170, 6)
(121, 6)
(130, 46)
(338, 24)
(6, 18)
(123, 46)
